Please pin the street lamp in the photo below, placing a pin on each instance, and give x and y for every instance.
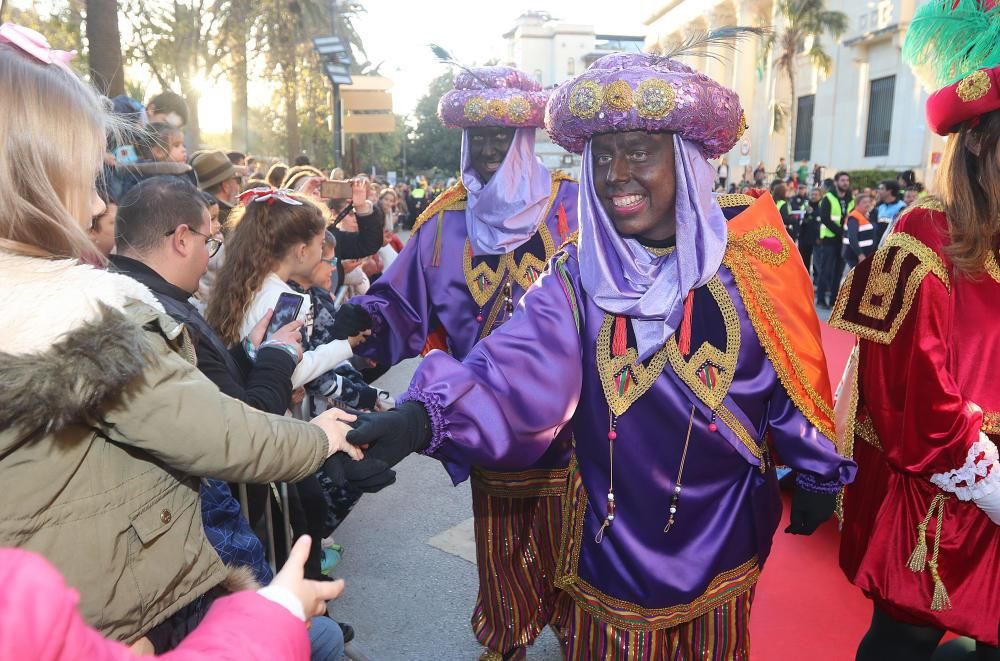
(336, 61)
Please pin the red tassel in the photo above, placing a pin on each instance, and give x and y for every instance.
(563, 225)
(685, 342)
(619, 343)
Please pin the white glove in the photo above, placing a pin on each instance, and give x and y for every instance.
(990, 504)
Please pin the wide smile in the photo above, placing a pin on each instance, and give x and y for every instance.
(628, 205)
(492, 166)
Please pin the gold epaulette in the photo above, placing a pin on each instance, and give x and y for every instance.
(728, 200)
(879, 292)
(573, 238)
(559, 175)
(452, 199)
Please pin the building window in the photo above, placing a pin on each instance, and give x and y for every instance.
(571, 67)
(804, 128)
(880, 116)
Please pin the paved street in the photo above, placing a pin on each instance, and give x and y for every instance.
(407, 598)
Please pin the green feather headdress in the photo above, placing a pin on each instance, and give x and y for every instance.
(948, 40)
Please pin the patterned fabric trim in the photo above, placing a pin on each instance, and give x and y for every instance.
(877, 296)
(722, 634)
(638, 377)
(734, 200)
(521, 484)
(711, 392)
(567, 285)
(726, 586)
(808, 482)
(483, 281)
(435, 411)
(452, 199)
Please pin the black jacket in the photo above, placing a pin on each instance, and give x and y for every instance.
(265, 384)
(357, 245)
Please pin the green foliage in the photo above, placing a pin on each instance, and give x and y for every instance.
(870, 178)
(433, 145)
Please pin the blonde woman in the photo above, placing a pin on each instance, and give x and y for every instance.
(106, 426)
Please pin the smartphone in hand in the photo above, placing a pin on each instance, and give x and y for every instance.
(334, 189)
(286, 310)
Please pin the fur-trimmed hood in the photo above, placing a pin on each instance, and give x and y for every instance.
(71, 336)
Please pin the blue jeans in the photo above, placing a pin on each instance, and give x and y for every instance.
(326, 640)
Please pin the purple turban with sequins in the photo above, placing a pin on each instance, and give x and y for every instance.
(642, 92)
(493, 96)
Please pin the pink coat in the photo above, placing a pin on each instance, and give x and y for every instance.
(39, 621)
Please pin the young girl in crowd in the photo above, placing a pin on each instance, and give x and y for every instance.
(165, 143)
(273, 236)
(343, 384)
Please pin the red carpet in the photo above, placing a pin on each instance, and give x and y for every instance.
(804, 607)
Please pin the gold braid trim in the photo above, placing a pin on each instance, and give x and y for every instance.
(573, 239)
(881, 285)
(529, 483)
(728, 200)
(624, 614)
(991, 422)
(452, 199)
(757, 303)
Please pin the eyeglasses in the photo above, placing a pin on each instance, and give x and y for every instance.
(211, 243)
(333, 261)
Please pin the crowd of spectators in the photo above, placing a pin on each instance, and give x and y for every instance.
(834, 225)
(177, 384)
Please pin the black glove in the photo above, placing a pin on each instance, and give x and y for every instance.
(350, 320)
(809, 510)
(392, 435)
(368, 475)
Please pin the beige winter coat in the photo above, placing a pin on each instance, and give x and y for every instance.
(105, 428)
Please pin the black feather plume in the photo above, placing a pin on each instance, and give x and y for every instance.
(445, 57)
(725, 38)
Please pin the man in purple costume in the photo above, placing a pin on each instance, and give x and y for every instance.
(474, 252)
(678, 339)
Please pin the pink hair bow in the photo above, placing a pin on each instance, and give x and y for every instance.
(36, 45)
(269, 195)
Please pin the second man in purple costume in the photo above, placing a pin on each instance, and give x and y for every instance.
(474, 252)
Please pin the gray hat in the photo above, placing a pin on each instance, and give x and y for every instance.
(212, 168)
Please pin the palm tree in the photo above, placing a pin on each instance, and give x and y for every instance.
(805, 23)
(105, 47)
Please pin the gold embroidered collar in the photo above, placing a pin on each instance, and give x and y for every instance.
(484, 281)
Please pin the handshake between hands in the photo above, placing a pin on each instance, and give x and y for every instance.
(364, 448)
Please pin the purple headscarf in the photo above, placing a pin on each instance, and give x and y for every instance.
(624, 278)
(503, 213)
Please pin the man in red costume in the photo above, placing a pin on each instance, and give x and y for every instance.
(921, 412)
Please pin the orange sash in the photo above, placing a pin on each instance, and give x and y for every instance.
(778, 294)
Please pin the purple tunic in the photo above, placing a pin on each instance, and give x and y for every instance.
(515, 391)
(434, 284)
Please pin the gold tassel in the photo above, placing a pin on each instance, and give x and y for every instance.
(918, 559)
(940, 601)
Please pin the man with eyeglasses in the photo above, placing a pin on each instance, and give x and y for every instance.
(165, 236)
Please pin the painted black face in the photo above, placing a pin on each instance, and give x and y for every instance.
(634, 180)
(488, 145)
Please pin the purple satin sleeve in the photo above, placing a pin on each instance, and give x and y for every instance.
(502, 407)
(803, 447)
(400, 305)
